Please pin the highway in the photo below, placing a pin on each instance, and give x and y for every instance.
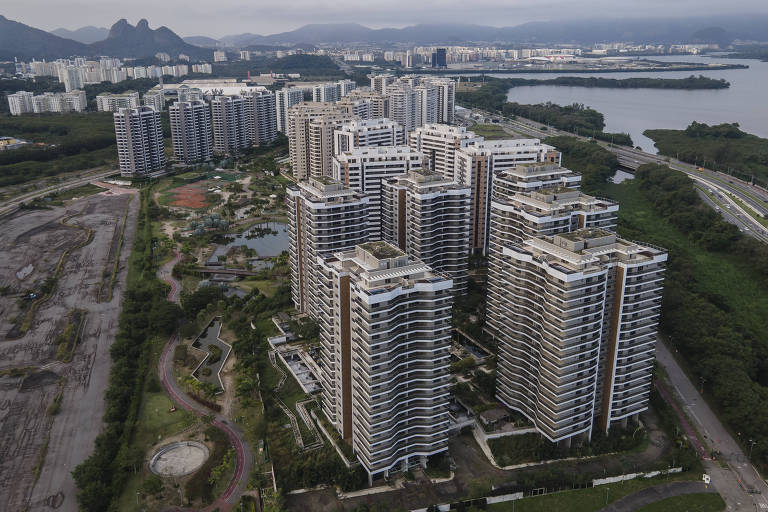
(744, 199)
(14, 203)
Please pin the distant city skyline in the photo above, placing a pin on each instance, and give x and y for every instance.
(234, 17)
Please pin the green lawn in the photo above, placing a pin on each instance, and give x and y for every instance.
(490, 131)
(581, 500)
(266, 286)
(704, 502)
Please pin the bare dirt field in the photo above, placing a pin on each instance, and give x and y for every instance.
(52, 382)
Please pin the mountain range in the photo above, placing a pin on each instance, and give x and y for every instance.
(672, 30)
(122, 40)
(85, 35)
(126, 40)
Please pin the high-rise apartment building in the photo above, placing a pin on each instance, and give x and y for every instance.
(366, 133)
(360, 108)
(229, 120)
(325, 217)
(364, 169)
(477, 166)
(155, 99)
(439, 144)
(310, 137)
(191, 131)
(403, 105)
(438, 58)
(385, 334)
(140, 145)
(576, 318)
(379, 83)
(325, 93)
(379, 103)
(106, 102)
(260, 109)
(285, 99)
(427, 216)
(20, 103)
(446, 98)
(427, 105)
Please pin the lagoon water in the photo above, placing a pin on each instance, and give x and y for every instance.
(635, 110)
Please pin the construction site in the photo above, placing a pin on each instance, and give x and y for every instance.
(62, 272)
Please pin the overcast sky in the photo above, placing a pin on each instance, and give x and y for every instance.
(224, 17)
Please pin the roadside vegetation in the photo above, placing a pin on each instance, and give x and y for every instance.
(722, 147)
(146, 314)
(575, 118)
(715, 296)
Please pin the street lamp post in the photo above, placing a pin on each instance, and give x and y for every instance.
(607, 489)
(752, 444)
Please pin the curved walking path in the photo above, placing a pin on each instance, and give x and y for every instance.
(165, 372)
(656, 493)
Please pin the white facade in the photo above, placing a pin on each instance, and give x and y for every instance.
(285, 99)
(439, 144)
(191, 131)
(385, 334)
(140, 145)
(20, 103)
(229, 120)
(324, 218)
(366, 133)
(155, 99)
(364, 169)
(262, 116)
(106, 102)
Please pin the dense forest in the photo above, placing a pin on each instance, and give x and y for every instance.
(692, 82)
(67, 143)
(715, 296)
(576, 118)
(722, 147)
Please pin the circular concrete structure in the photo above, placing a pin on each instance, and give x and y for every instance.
(178, 459)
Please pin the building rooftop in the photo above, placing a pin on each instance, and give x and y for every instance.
(382, 250)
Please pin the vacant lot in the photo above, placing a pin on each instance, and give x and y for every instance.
(51, 400)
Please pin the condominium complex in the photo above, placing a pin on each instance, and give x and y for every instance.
(285, 99)
(379, 83)
(576, 318)
(24, 102)
(140, 147)
(439, 143)
(367, 132)
(479, 164)
(20, 103)
(106, 102)
(427, 105)
(325, 217)
(326, 93)
(403, 105)
(364, 169)
(427, 216)
(155, 99)
(191, 131)
(260, 109)
(230, 124)
(360, 108)
(385, 333)
(310, 137)
(379, 104)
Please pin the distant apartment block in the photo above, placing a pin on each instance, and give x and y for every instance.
(140, 145)
(577, 316)
(261, 112)
(106, 102)
(386, 335)
(191, 131)
(20, 103)
(427, 216)
(325, 217)
(155, 99)
(285, 99)
(379, 104)
(364, 169)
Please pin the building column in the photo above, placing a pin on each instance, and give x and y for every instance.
(423, 461)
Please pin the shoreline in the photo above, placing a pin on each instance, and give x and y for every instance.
(656, 69)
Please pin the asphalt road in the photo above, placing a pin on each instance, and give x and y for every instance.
(732, 474)
(656, 493)
(165, 371)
